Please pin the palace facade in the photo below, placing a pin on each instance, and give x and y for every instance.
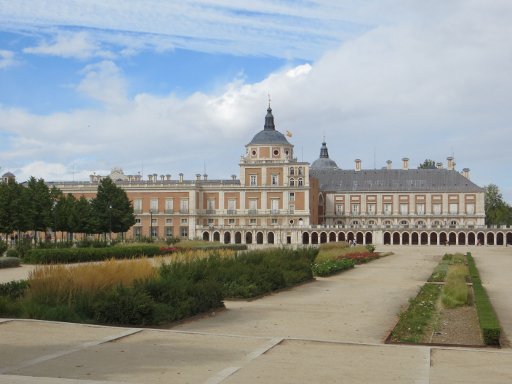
(277, 199)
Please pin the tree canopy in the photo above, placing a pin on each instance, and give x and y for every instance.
(427, 164)
(497, 211)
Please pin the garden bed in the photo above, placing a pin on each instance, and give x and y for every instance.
(447, 309)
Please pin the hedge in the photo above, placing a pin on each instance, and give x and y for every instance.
(77, 255)
(9, 262)
(330, 267)
(489, 323)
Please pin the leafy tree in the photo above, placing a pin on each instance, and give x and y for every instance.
(427, 164)
(13, 208)
(111, 208)
(38, 205)
(497, 211)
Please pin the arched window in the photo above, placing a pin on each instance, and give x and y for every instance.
(301, 182)
(453, 224)
(292, 182)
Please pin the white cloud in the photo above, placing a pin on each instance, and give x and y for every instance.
(435, 83)
(7, 59)
(78, 45)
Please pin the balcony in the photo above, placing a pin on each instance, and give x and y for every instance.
(253, 211)
(169, 211)
(184, 211)
(274, 211)
(231, 211)
(137, 211)
(211, 211)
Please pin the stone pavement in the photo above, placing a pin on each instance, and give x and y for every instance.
(328, 331)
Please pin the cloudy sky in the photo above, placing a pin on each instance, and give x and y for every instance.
(164, 86)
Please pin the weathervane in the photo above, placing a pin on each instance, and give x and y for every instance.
(269, 100)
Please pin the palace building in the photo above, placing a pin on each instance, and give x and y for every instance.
(279, 200)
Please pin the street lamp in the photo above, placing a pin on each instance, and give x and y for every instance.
(110, 222)
(151, 224)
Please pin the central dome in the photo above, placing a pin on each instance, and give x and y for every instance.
(324, 162)
(269, 135)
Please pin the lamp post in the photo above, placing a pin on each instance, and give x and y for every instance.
(110, 222)
(151, 224)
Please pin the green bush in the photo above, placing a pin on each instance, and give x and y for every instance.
(3, 247)
(9, 262)
(11, 253)
(13, 289)
(329, 267)
(77, 255)
(371, 248)
(489, 323)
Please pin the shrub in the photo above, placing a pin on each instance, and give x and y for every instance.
(3, 247)
(329, 267)
(489, 323)
(13, 289)
(371, 248)
(11, 253)
(455, 290)
(9, 262)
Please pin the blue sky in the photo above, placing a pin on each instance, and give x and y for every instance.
(175, 86)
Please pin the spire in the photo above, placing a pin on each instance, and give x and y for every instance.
(269, 120)
(324, 153)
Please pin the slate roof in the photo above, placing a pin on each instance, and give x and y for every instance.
(269, 135)
(324, 162)
(7, 175)
(393, 180)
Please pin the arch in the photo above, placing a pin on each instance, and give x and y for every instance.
(350, 236)
(452, 238)
(490, 238)
(396, 238)
(270, 238)
(323, 237)
(499, 238)
(480, 238)
(292, 181)
(462, 238)
(305, 238)
(387, 238)
(238, 237)
(248, 238)
(424, 238)
(332, 237)
(443, 238)
(415, 239)
(405, 238)
(314, 238)
(433, 238)
(509, 238)
(206, 236)
(259, 238)
(360, 238)
(368, 238)
(341, 236)
(216, 236)
(471, 238)
(227, 237)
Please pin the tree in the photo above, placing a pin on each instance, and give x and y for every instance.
(13, 208)
(111, 208)
(39, 205)
(497, 211)
(428, 164)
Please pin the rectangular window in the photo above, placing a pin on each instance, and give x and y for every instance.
(184, 221)
(274, 206)
(168, 221)
(231, 221)
(169, 205)
(274, 180)
(292, 196)
(137, 232)
(184, 231)
(210, 206)
(388, 208)
(137, 206)
(436, 209)
(252, 221)
(454, 208)
(355, 209)
(340, 208)
(210, 221)
(371, 209)
(232, 205)
(153, 205)
(137, 221)
(154, 232)
(420, 209)
(184, 206)
(169, 231)
(404, 209)
(153, 221)
(253, 205)
(470, 209)
(274, 221)
(291, 209)
(253, 180)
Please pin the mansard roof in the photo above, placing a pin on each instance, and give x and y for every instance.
(393, 180)
(269, 134)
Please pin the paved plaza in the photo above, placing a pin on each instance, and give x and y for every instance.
(331, 330)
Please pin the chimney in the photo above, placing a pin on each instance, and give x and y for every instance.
(451, 164)
(198, 176)
(405, 163)
(357, 165)
(162, 177)
(181, 177)
(388, 164)
(439, 165)
(465, 173)
(168, 177)
(233, 177)
(205, 176)
(150, 177)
